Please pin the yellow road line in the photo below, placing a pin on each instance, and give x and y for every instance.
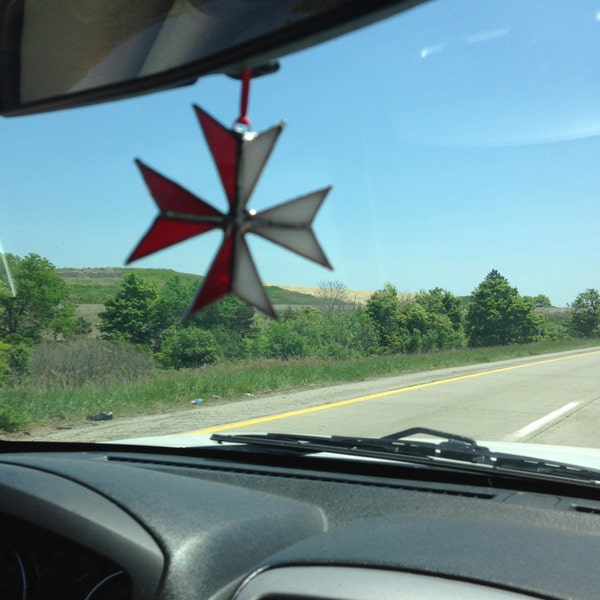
(410, 388)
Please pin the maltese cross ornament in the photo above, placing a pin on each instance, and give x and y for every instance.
(240, 157)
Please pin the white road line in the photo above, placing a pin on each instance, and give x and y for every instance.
(537, 424)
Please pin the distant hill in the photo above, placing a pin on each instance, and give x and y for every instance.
(96, 285)
(354, 296)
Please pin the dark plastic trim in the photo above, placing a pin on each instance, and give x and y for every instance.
(75, 512)
(309, 32)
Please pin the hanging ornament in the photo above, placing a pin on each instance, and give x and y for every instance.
(240, 157)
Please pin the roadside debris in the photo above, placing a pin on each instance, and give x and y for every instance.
(100, 416)
(197, 401)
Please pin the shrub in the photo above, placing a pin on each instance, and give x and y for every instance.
(10, 419)
(189, 347)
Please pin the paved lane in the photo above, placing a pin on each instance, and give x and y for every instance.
(553, 399)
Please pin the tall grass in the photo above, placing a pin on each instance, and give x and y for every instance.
(170, 390)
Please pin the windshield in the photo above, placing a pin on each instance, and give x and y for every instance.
(437, 268)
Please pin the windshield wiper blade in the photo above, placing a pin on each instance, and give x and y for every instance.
(456, 447)
(456, 450)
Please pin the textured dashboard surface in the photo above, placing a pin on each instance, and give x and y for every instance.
(183, 527)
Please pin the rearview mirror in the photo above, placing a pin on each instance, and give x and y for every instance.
(63, 53)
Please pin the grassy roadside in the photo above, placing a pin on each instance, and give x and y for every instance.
(172, 390)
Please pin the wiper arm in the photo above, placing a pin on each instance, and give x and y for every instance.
(457, 451)
(456, 447)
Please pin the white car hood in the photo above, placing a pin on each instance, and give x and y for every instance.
(582, 457)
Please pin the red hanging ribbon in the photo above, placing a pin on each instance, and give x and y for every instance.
(243, 119)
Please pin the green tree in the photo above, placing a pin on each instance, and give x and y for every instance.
(229, 320)
(541, 301)
(229, 312)
(431, 321)
(442, 302)
(442, 325)
(284, 342)
(295, 334)
(498, 315)
(168, 310)
(585, 315)
(127, 315)
(423, 331)
(41, 304)
(189, 347)
(314, 332)
(383, 307)
(348, 333)
(414, 325)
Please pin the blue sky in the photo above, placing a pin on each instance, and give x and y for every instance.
(435, 181)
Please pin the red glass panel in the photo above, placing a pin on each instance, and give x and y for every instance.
(225, 148)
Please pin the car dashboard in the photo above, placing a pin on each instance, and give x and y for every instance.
(126, 524)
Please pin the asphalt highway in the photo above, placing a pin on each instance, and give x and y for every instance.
(553, 399)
